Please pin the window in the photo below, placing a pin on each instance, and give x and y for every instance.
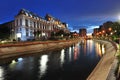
(26, 29)
(31, 33)
(34, 24)
(31, 23)
(20, 21)
(26, 22)
(26, 13)
(26, 33)
(17, 22)
(37, 24)
(20, 29)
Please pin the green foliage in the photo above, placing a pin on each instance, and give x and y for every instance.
(59, 33)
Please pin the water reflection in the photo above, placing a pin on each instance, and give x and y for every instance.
(72, 63)
(70, 53)
(20, 59)
(100, 49)
(90, 46)
(43, 65)
(85, 47)
(1, 73)
(12, 64)
(103, 49)
(76, 51)
(62, 56)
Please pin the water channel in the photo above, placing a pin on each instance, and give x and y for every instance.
(73, 63)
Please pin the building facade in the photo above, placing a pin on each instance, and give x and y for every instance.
(7, 30)
(29, 26)
(103, 30)
(83, 32)
(95, 31)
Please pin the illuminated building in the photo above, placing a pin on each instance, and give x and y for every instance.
(30, 26)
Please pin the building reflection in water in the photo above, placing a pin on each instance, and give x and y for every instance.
(43, 64)
(89, 48)
(1, 73)
(62, 57)
(70, 53)
(103, 49)
(76, 51)
(85, 47)
(77, 59)
(100, 49)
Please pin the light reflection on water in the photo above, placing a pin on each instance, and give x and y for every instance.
(12, 64)
(72, 63)
(1, 73)
(103, 49)
(70, 54)
(76, 49)
(100, 49)
(62, 56)
(43, 65)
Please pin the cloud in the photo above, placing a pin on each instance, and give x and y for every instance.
(90, 28)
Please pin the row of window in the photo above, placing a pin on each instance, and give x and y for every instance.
(36, 25)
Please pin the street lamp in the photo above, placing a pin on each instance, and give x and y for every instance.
(110, 29)
(111, 33)
(103, 31)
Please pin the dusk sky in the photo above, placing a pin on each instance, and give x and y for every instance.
(77, 13)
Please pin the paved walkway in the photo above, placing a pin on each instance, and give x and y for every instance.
(104, 66)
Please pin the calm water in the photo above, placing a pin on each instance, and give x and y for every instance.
(72, 63)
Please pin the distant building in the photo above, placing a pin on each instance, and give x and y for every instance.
(83, 32)
(7, 30)
(95, 31)
(28, 26)
(103, 30)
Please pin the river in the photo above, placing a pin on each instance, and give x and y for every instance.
(72, 63)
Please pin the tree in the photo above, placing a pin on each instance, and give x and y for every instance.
(60, 32)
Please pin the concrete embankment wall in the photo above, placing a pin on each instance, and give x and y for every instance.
(21, 49)
(104, 69)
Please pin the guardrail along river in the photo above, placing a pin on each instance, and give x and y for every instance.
(72, 63)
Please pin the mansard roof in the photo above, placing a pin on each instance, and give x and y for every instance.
(29, 13)
(52, 17)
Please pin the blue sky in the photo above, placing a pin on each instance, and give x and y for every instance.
(77, 13)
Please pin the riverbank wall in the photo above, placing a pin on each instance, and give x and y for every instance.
(25, 48)
(105, 69)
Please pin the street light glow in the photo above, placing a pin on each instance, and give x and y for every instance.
(109, 29)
